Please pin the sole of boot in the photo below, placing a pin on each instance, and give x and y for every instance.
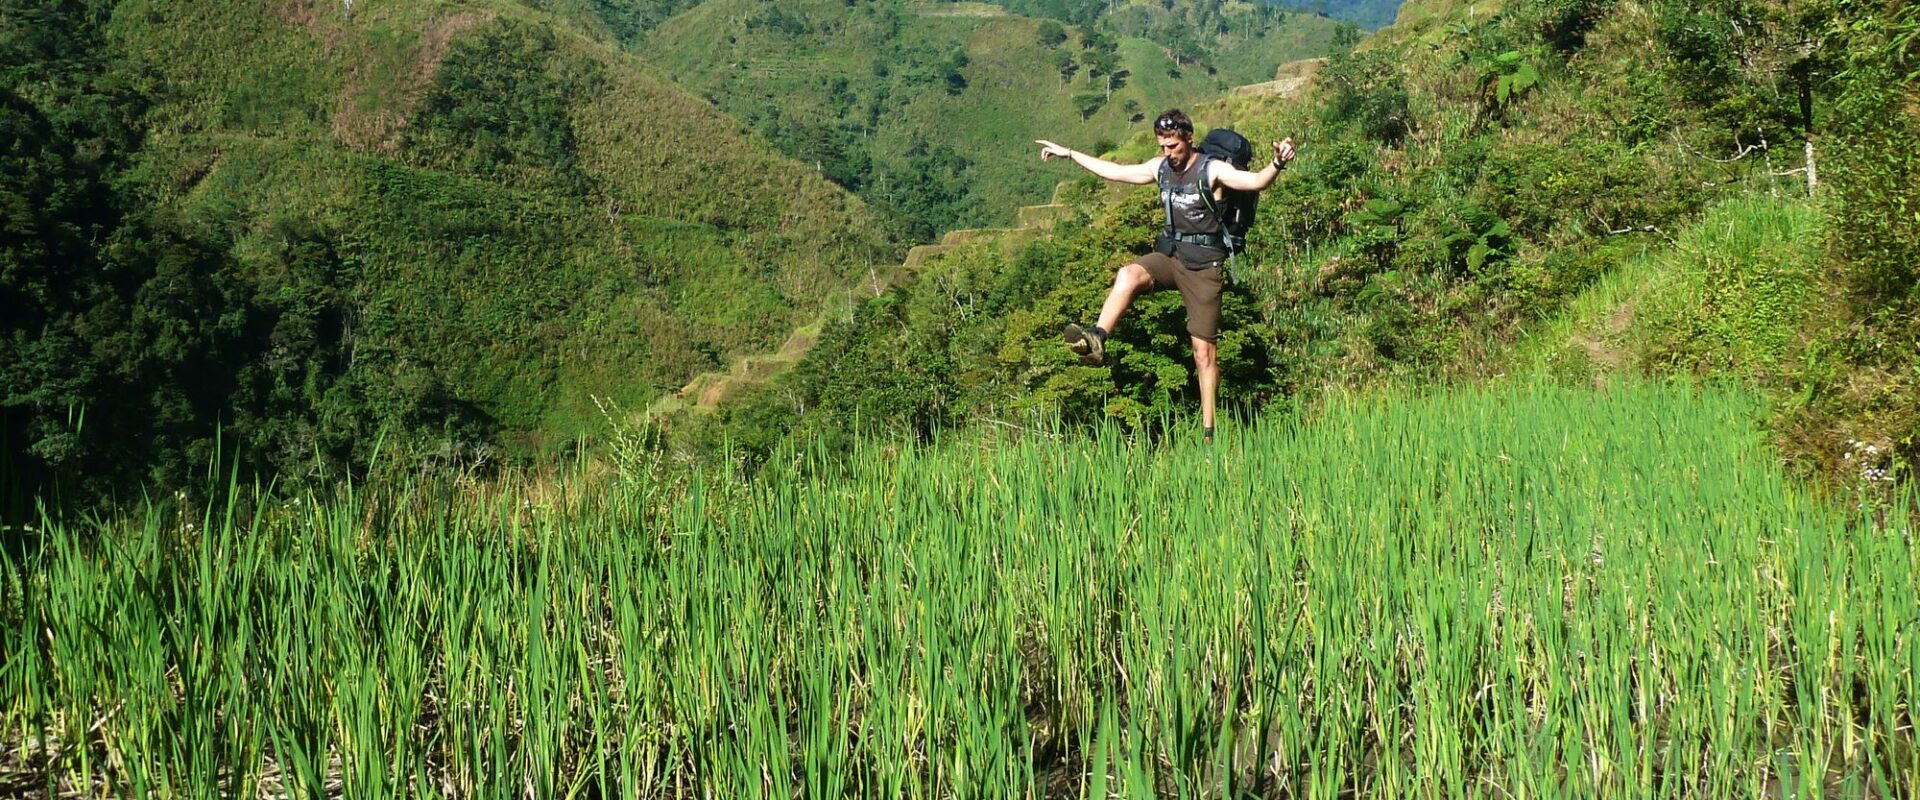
(1084, 345)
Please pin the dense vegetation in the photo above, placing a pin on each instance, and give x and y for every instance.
(1519, 590)
(320, 230)
(1469, 184)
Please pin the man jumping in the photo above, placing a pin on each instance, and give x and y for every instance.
(1189, 255)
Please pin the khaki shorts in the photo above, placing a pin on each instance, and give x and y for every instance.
(1200, 288)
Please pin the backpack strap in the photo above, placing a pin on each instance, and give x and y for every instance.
(1166, 199)
(1232, 245)
(1206, 195)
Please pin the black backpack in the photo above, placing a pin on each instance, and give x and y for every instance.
(1235, 209)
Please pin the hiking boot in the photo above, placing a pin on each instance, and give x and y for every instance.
(1089, 344)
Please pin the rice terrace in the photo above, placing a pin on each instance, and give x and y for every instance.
(1510, 591)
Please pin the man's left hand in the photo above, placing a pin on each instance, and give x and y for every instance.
(1283, 151)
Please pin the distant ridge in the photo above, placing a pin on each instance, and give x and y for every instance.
(1367, 14)
(894, 99)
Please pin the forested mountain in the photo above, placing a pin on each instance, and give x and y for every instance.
(1240, 42)
(1583, 188)
(433, 231)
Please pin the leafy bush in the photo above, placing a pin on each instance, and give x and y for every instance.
(1367, 91)
(500, 109)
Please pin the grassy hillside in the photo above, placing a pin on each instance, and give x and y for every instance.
(929, 110)
(1534, 337)
(456, 223)
(537, 164)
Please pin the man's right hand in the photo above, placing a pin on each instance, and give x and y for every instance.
(1049, 150)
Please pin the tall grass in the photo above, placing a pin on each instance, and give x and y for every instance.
(1519, 591)
(1726, 296)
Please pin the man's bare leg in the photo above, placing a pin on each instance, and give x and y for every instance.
(1207, 362)
(1126, 283)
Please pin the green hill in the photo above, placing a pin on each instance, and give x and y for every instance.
(452, 224)
(929, 110)
(1235, 41)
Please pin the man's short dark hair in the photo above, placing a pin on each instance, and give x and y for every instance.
(1173, 120)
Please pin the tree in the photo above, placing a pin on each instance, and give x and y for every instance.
(1747, 64)
(1098, 63)
(1064, 63)
(1088, 104)
(955, 71)
(1186, 49)
(1051, 34)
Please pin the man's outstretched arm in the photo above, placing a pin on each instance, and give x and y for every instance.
(1258, 179)
(1140, 174)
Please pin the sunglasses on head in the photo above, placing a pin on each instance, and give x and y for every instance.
(1166, 125)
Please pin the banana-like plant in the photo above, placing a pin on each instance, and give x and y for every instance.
(1507, 75)
(1482, 237)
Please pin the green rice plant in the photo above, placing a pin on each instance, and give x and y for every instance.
(1510, 590)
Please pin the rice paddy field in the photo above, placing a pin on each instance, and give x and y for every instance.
(1507, 592)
